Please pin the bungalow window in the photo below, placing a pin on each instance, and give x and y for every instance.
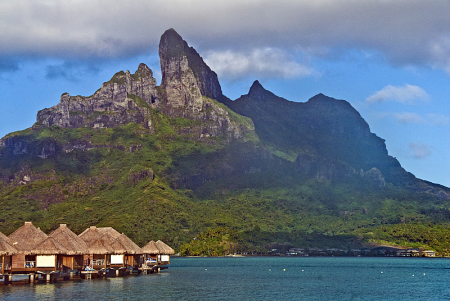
(30, 261)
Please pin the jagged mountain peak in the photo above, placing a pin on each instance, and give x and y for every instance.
(256, 89)
(176, 56)
(171, 44)
(144, 69)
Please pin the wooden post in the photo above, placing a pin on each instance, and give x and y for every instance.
(32, 278)
(48, 278)
(105, 261)
(117, 273)
(7, 279)
(3, 265)
(71, 275)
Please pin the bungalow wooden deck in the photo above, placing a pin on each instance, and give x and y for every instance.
(97, 252)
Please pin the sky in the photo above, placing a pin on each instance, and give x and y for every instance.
(389, 58)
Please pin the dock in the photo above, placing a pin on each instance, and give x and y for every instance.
(29, 255)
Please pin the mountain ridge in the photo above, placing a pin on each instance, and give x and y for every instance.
(181, 158)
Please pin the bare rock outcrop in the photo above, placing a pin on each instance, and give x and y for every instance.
(121, 100)
(191, 90)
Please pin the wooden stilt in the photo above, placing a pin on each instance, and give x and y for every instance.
(3, 265)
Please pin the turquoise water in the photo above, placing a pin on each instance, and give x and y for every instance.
(262, 278)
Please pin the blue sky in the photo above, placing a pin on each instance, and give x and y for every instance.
(389, 59)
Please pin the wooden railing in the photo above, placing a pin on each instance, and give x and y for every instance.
(98, 262)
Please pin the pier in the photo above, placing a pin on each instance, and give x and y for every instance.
(29, 255)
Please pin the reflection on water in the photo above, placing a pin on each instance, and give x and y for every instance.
(268, 278)
(45, 291)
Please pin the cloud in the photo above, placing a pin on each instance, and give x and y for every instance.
(403, 94)
(438, 119)
(260, 63)
(420, 151)
(405, 32)
(428, 119)
(409, 118)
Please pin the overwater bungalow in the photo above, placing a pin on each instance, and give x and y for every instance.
(72, 260)
(151, 253)
(123, 252)
(99, 248)
(131, 256)
(7, 250)
(165, 252)
(49, 255)
(24, 240)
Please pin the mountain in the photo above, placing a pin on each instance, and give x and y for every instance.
(180, 160)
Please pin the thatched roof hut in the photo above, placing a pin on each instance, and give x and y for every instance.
(113, 241)
(164, 249)
(90, 235)
(69, 240)
(100, 247)
(150, 248)
(50, 247)
(27, 237)
(6, 247)
(132, 248)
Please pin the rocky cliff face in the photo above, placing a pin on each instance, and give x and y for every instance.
(189, 89)
(189, 86)
(115, 103)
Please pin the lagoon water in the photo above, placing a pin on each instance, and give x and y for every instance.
(262, 278)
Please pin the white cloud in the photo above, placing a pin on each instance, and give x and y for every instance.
(420, 151)
(406, 32)
(438, 119)
(409, 117)
(428, 119)
(267, 62)
(403, 94)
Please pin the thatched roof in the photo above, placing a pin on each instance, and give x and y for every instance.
(6, 247)
(164, 249)
(118, 247)
(90, 235)
(150, 248)
(50, 247)
(113, 241)
(4, 237)
(100, 247)
(109, 231)
(69, 240)
(27, 237)
(132, 248)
